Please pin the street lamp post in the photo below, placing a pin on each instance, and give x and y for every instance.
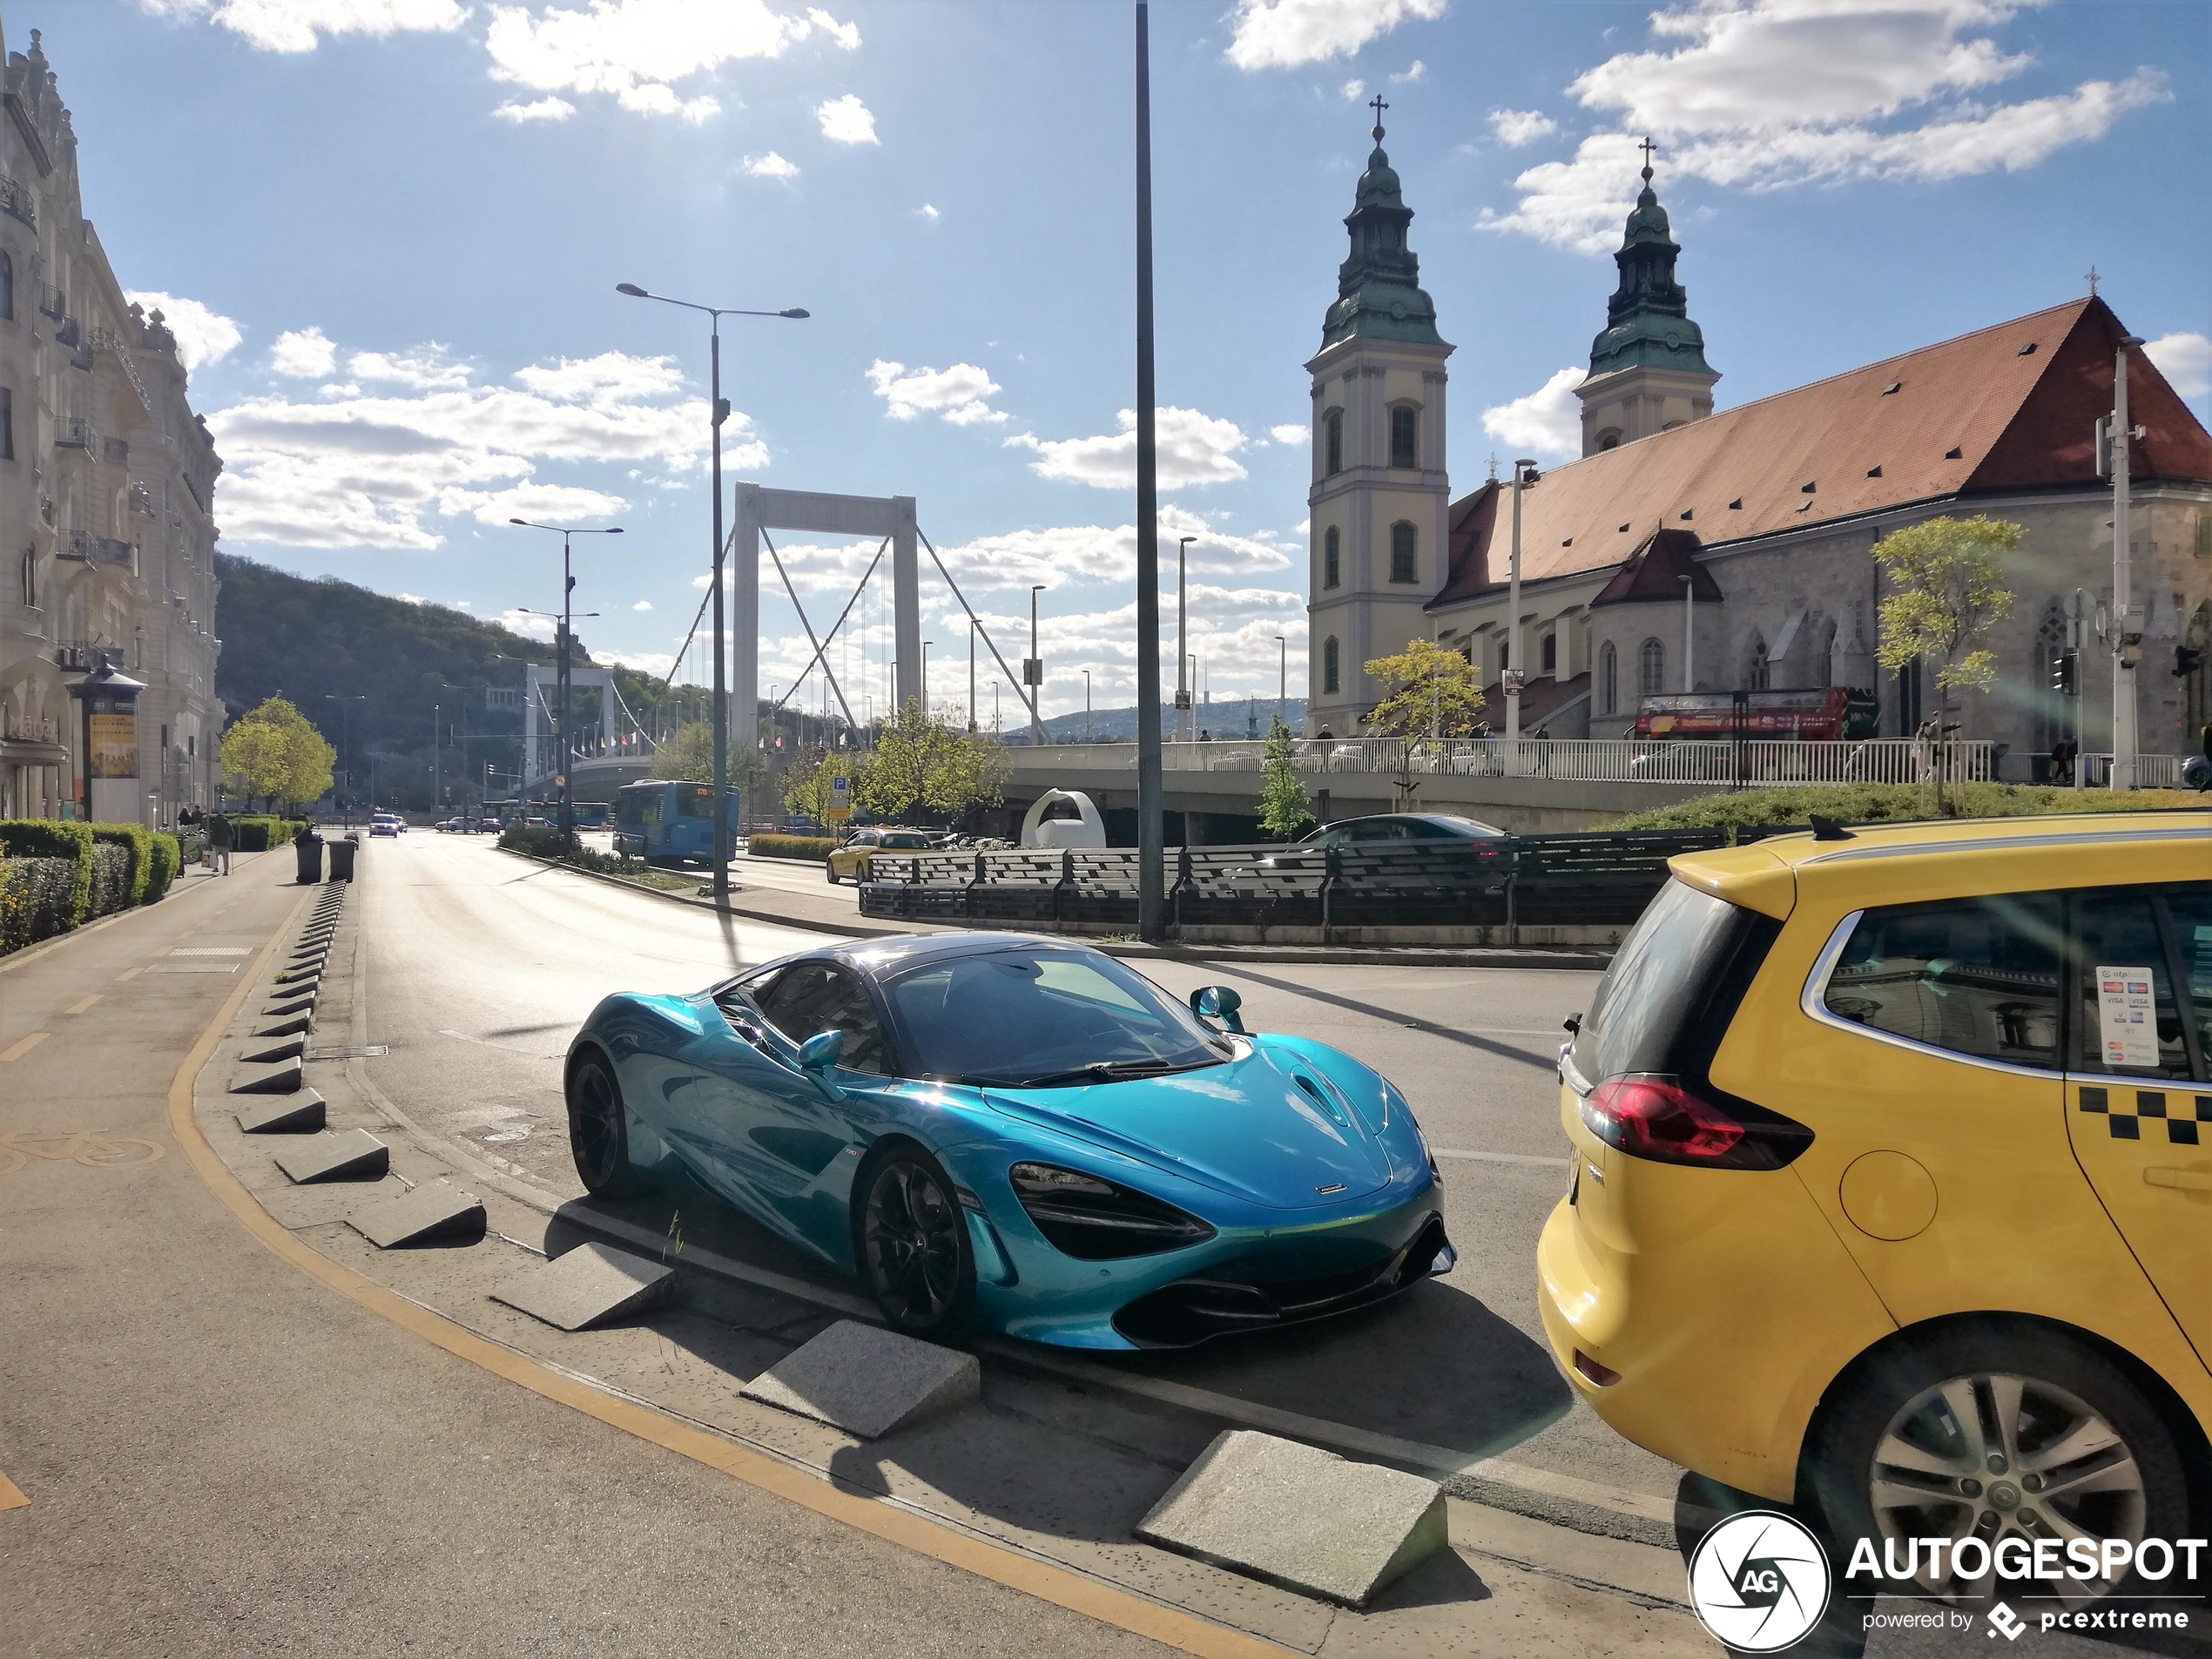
(1086, 705)
(1524, 473)
(1181, 636)
(1034, 670)
(1283, 676)
(925, 644)
(972, 625)
(346, 749)
(567, 817)
(718, 411)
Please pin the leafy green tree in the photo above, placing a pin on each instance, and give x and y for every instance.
(1432, 693)
(275, 755)
(1285, 808)
(807, 784)
(1946, 572)
(688, 758)
(922, 762)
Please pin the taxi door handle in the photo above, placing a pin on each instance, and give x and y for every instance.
(2186, 1180)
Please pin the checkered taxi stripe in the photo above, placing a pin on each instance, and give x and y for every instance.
(2181, 1125)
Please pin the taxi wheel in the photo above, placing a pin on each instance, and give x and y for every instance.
(1998, 1433)
(830, 870)
(599, 1132)
(914, 1246)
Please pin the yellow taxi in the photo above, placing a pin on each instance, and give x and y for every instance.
(1892, 1187)
(850, 862)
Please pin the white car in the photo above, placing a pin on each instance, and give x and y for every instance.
(386, 824)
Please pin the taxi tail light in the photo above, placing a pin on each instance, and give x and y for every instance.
(1657, 1119)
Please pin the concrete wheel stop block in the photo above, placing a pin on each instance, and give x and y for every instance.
(292, 1026)
(285, 1115)
(431, 1211)
(267, 1053)
(293, 978)
(303, 1003)
(350, 1155)
(588, 1285)
(274, 1080)
(1298, 1517)
(868, 1381)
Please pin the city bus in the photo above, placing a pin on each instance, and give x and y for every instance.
(1817, 714)
(669, 822)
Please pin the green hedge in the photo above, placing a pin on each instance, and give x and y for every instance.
(538, 843)
(55, 876)
(168, 860)
(260, 833)
(139, 843)
(35, 898)
(47, 838)
(1892, 803)
(793, 847)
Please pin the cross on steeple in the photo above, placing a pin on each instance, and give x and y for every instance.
(2092, 282)
(1647, 147)
(1378, 106)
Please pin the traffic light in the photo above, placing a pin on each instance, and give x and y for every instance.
(2063, 669)
(2186, 660)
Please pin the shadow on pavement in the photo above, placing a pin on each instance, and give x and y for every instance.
(1392, 1016)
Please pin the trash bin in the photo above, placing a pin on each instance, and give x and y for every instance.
(309, 848)
(341, 858)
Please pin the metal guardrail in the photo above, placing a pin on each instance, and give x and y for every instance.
(2152, 771)
(100, 550)
(1758, 763)
(73, 432)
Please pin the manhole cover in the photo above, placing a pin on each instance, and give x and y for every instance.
(369, 1053)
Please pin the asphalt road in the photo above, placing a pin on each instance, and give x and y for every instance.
(481, 966)
(222, 1457)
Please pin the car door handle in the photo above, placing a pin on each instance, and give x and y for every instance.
(2186, 1180)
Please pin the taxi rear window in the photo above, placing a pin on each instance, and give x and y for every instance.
(1665, 1003)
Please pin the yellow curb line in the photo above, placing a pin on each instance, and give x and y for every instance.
(1079, 1595)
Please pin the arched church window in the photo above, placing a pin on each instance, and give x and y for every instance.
(31, 578)
(1757, 670)
(1332, 442)
(1405, 436)
(1548, 655)
(1331, 659)
(7, 287)
(1651, 669)
(1404, 543)
(2050, 706)
(1331, 558)
(1608, 680)
(1609, 439)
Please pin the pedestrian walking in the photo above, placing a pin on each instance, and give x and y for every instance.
(219, 836)
(2063, 751)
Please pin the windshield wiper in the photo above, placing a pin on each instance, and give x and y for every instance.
(1099, 1071)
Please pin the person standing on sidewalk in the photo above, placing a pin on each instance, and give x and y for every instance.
(219, 844)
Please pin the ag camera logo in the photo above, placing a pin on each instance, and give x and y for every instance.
(1759, 1581)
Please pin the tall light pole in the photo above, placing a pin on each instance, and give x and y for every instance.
(2126, 637)
(971, 673)
(437, 709)
(925, 644)
(1033, 671)
(1689, 634)
(718, 411)
(346, 748)
(1524, 473)
(567, 817)
(1152, 875)
(1086, 705)
(1283, 676)
(1181, 636)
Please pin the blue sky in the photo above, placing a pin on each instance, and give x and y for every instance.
(396, 227)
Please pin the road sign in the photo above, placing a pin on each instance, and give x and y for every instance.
(841, 800)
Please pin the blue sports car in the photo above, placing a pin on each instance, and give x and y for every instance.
(1019, 1134)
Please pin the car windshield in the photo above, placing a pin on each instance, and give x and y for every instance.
(1043, 1017)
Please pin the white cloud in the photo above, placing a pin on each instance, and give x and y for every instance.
(2185, 359)
(411, 598)
(1194, 449)
(926, 211)
(636, 52)
(1546, 423)
(304, 354)
(1767, 94)
(1514, 128)
(298, 25)
(543, 108)
(956, 393)
(527, 623)
(771, 166)
(1353, 90)
(643, 604)
(379, 470)
(1283, 34)
(655, 663)
(1418, 70)
(1291, 432)
(847, 120)
(424, 369)
(203, 336)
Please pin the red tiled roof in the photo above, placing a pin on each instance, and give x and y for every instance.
(1656, 570)
(2007, 407)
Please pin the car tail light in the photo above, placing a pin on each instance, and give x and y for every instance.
(1095, 1220)
(1658, 1119)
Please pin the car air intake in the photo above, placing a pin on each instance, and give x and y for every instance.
(1097, 1220)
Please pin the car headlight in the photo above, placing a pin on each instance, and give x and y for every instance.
(1095, 1220)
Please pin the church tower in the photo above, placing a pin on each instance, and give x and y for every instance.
(1379, 501)
(1648, 369)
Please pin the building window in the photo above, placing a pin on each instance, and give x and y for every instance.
(2050, 705)
(1758, 673)
(7, 424)
(1332, 442)
(1609, 439)
(1404, 542)
(1908, 698)
(31, 578)
(1608, 680)
(1548, 655)
(1651, 669)
(1405, 437)
(1331, 558)
(7, 287)
(1331, 674)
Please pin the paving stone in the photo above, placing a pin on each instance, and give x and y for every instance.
(269, 1054)
(589, 1286)
(350, 1155)
(1299, 1517)
(290, 1026)
(432, 1210)
(274, 1080)
(868, 1381)
(284, 1114)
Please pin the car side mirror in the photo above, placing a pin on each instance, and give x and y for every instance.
(821, 1051)
(1218, 1003)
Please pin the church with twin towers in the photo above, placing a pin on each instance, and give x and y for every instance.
(1691, 548)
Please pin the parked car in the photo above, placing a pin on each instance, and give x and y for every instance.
(1021, 1134)
(386, 824)
(851, 860)
(453, 826)
(1891, 1188)
(487, 826)
(1485, 842)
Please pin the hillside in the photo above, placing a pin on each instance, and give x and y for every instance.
(1225, 719)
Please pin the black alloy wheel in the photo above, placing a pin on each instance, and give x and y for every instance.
(830, 870)
(914, 1251)
(598, 1133)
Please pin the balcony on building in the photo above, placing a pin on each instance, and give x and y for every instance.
(89, 549)
(72, 432)
(17, 203)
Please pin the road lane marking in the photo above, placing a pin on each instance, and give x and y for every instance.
(1504, 1157)
(11, 1496)
(831, 1498)
(128, 974)
(23, 1046)
(80, 1006)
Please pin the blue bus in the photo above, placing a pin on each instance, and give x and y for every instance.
(665, 823)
